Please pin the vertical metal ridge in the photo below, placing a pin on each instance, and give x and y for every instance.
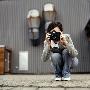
(73, 14)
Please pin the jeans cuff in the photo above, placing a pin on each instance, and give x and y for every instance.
(66, 75)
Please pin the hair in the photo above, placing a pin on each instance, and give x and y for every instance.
(53, 25)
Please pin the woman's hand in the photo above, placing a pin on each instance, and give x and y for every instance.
(47, 38)
(63, 41)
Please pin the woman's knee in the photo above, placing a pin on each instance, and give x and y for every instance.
(75, 61)
(64, 52)
(56, 57)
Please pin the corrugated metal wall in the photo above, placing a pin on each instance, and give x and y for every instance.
(73, 14)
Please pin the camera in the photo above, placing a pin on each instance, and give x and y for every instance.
(55, 36)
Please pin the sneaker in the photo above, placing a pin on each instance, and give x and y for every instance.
(66, 78)
(58, 79)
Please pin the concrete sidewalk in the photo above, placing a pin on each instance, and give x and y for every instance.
(44, 82)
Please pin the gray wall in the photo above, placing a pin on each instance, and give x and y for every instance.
(73, 14)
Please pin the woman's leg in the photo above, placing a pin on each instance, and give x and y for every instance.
(57, 63)
(68, 63)
(74, 62)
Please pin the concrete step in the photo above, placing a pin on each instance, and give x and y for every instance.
(42, 82)
(33, 88)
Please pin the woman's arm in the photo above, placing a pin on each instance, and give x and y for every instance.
(70, 46)
(46, 51)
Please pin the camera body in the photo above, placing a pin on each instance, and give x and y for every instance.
(55, 36)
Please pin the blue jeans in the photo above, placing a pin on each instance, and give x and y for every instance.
(63, 63)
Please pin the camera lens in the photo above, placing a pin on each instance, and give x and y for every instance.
(55, 36)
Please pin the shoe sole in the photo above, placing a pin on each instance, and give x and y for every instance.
(66, 79)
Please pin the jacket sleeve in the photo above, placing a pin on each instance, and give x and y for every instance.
(46, 52)
(70, 46)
